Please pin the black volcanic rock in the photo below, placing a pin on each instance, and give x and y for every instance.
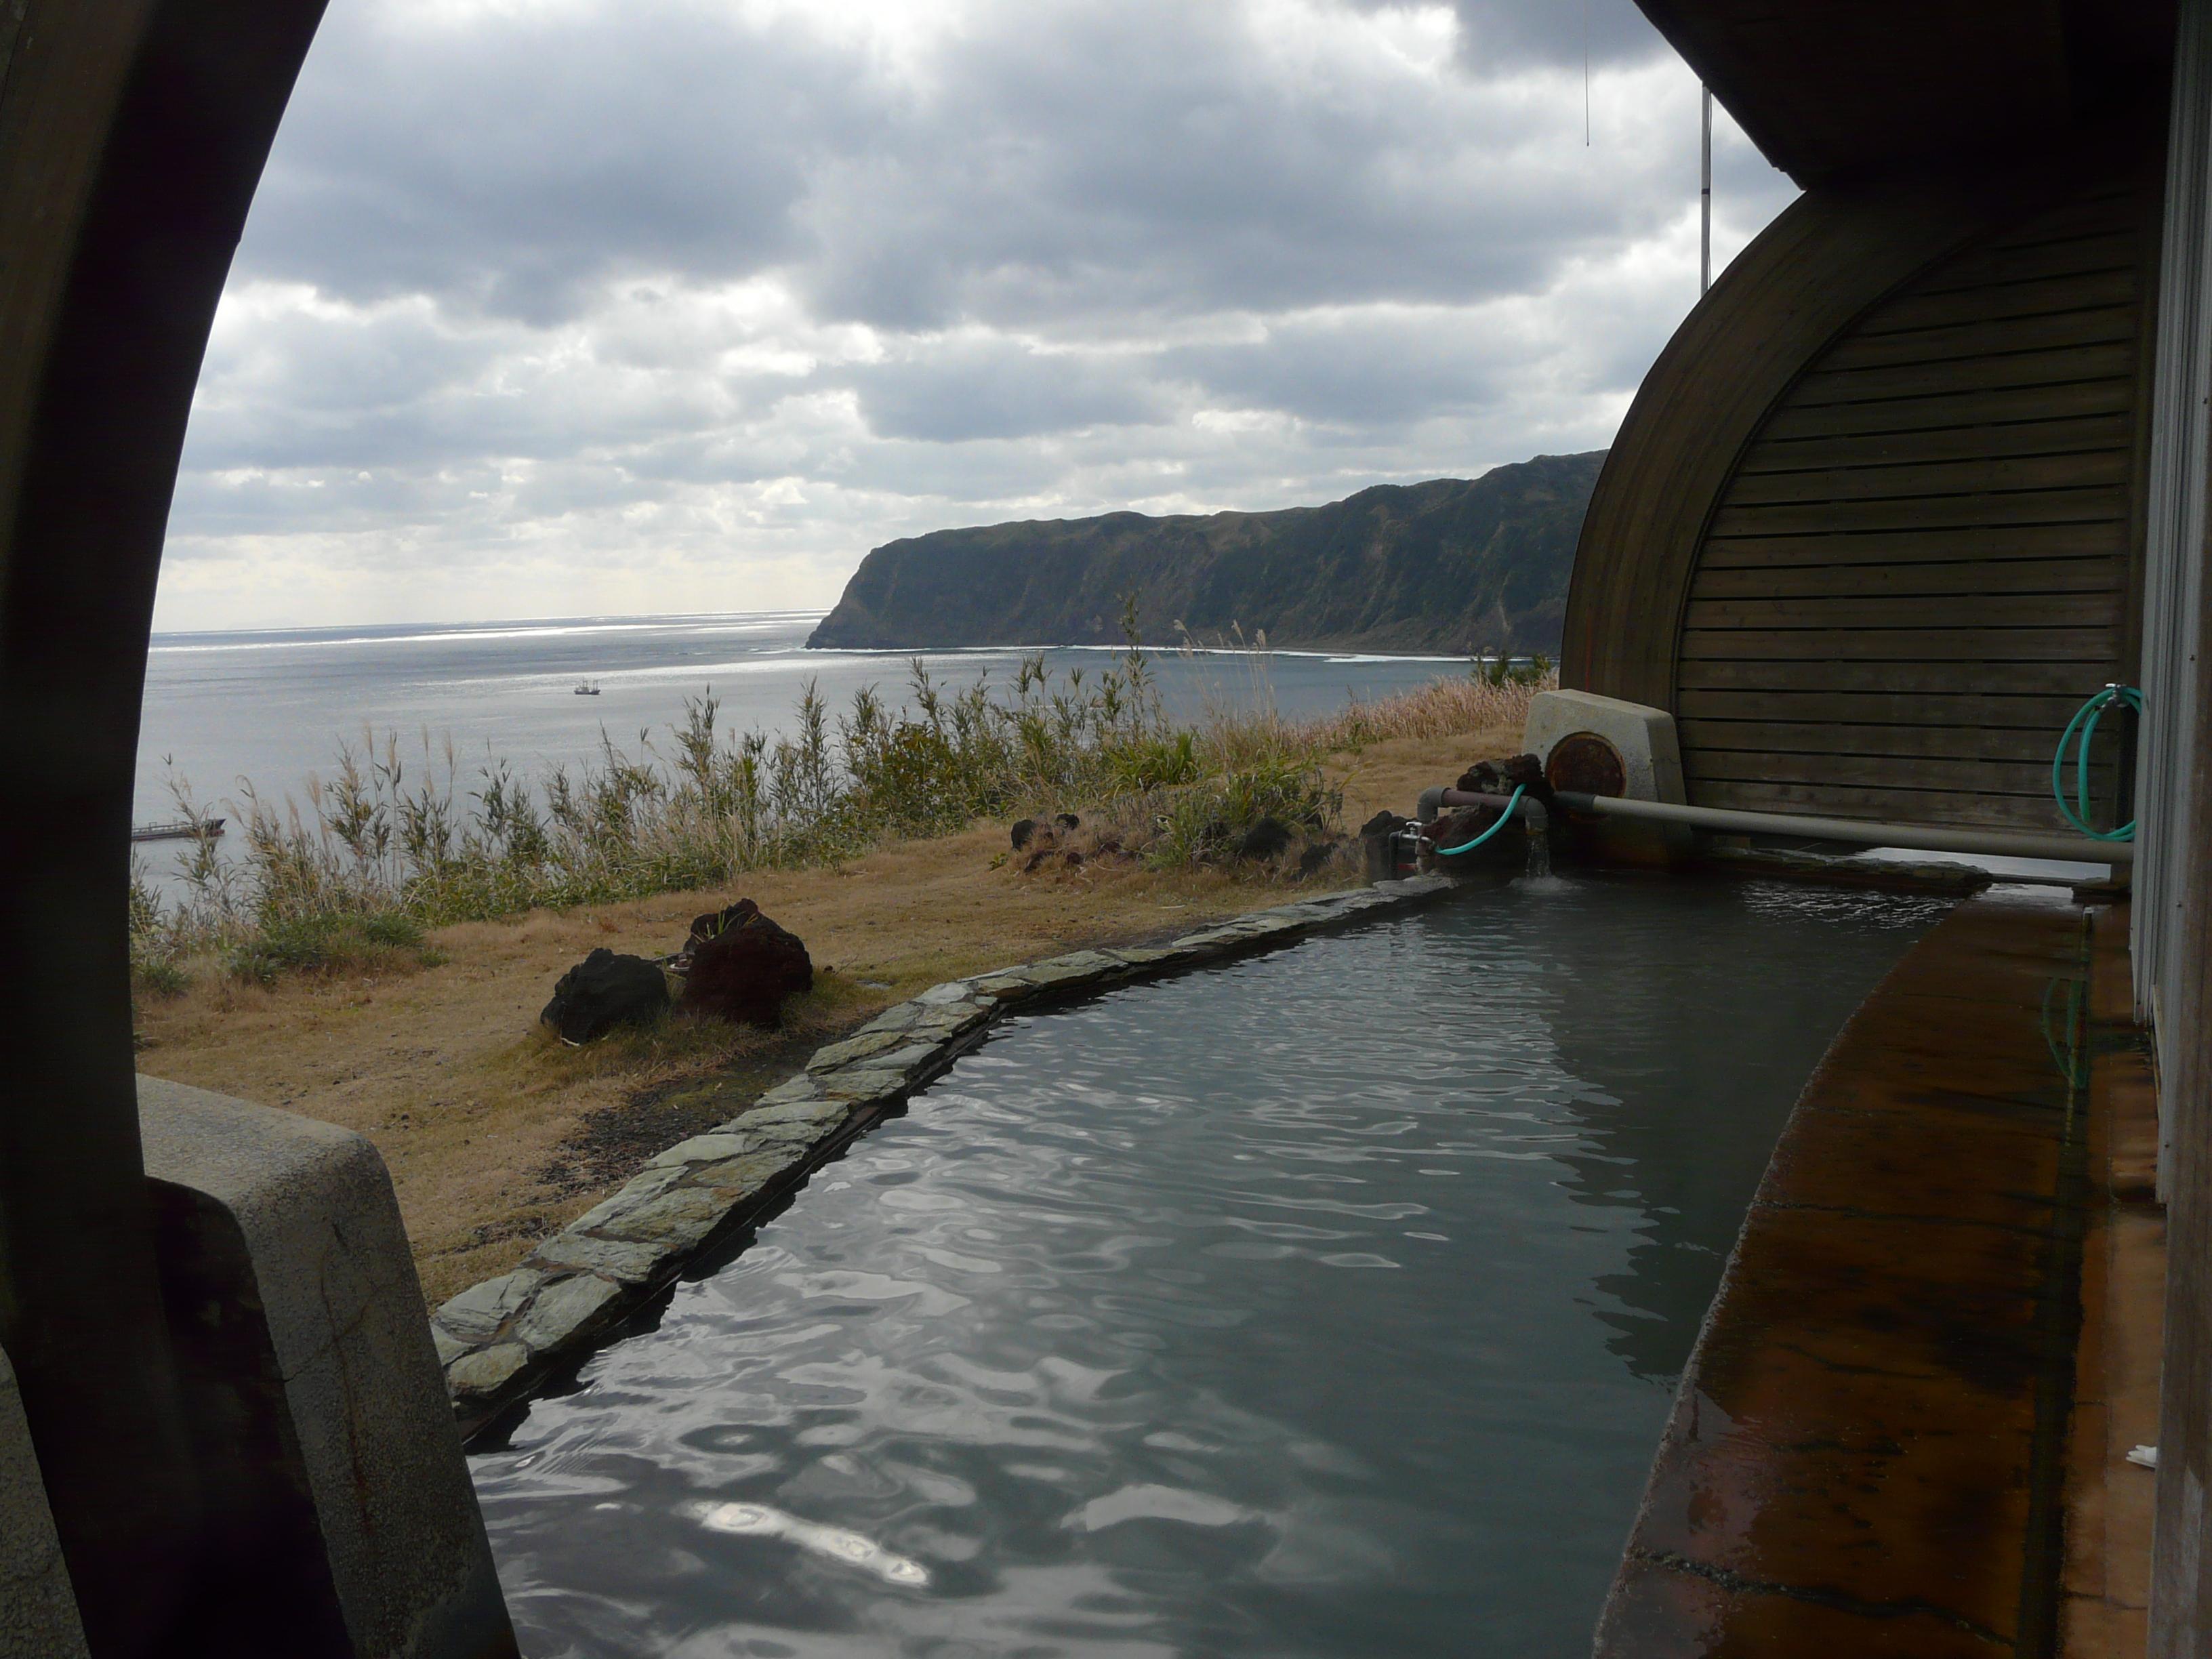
(604, 991)
(1264, 840)
(743, 966)
(1450, 566)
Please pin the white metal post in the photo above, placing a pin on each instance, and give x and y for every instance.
(1705, 194)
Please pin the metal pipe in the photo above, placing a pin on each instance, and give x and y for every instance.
(1919, 837)
(1449, 797)
(1706, 193)
(1529, 809)
(1434, 803)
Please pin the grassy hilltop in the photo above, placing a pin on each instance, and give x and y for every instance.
(1450, 566)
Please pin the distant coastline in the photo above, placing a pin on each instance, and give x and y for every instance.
(1447, 567)
(308, 635)
(274, 705)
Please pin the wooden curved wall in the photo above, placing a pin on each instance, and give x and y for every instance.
(1921, 564)
(1883, 592)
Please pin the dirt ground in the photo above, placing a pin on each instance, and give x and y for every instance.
(497, 1133)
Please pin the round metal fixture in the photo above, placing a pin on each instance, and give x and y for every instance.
(1586, 764)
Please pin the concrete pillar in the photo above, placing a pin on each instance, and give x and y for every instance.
(223, 1395)
(299, 1332)
(38, 1610)
(132, 133)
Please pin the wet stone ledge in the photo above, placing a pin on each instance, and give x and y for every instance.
(501, 1339)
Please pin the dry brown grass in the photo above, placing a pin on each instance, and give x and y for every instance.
(495, 1133)
(1446, 708)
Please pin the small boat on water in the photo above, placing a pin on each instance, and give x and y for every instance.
(585, 689)
(178, 829)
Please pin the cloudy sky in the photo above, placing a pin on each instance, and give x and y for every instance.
(558, 307)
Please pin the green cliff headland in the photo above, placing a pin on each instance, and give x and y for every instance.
(1451, 566)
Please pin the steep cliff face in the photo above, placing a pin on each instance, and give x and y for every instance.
(1449, 566)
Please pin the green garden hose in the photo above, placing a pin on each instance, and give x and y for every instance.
(1453, 852)
(2085, 720)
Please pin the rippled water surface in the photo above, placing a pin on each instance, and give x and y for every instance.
(1326, 1304)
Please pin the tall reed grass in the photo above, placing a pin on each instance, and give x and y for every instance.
(397, 839)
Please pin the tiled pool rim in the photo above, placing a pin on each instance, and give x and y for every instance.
(501, 1340)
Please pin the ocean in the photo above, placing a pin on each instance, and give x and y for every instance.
(274, 707)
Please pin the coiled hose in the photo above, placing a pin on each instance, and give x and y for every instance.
(2085, 721)
(1453, 852)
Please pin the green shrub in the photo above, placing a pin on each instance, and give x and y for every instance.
(159, 976)
(328, 942)
(1204, 822)
(1159, 762)
(391, 928)
(1499, 671)
(391, 844)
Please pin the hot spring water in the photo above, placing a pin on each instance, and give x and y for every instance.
(1327, 1304)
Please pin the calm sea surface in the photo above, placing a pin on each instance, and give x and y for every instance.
(1325, 1305)
(274, 707)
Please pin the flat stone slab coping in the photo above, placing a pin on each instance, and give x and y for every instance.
(1928, 875)
(1867, 1454)
(501, 1339)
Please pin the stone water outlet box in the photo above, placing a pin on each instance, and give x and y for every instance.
(1604, 746)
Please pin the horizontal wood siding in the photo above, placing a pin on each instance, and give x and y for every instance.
(1921, 564)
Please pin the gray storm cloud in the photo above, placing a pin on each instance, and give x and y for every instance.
(743, 289)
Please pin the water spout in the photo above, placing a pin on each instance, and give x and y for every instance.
(1538, 877)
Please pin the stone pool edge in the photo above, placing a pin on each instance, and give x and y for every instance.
(501, 1339)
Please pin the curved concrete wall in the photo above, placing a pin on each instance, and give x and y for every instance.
(132, 134)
